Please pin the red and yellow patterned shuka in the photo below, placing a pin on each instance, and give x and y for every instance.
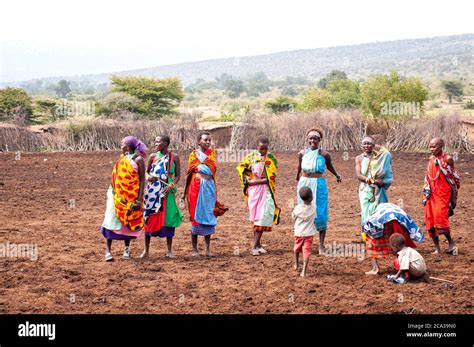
(126, 186)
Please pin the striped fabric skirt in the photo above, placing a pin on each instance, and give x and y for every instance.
(380, 247)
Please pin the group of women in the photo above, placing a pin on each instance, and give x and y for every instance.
(138, 203)
(142, 198)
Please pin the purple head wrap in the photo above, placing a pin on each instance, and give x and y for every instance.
(135, 144)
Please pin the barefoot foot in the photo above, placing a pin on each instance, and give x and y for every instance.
(372, 272)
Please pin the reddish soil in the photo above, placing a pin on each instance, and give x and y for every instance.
(35, 194)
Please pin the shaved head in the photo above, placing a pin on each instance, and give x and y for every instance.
(437, 140)
(436, 146)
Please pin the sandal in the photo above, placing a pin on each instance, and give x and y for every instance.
(108, 257)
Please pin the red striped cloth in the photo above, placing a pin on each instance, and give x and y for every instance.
(380, 247)
(261, 228)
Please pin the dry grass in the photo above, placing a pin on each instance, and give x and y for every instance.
(343, 130)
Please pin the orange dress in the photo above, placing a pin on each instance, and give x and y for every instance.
(437, 206)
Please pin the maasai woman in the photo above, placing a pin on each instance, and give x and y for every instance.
(162, 215)
(388, 219)
(374, 172)
(201, 192)
(440, 194)
(257, 177)
(311, 165)
(124, 212)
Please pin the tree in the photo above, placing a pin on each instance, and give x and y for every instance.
(47, 107)
(344, 93)
(315, 98)
(258, 83)
(222, 80)
(333, 75)
(158, 96)
(289, 91)
(289, 80)
(393, 96)
(117, 103)
(452, 89)
(63, 89)
(33, 86)
(15, 102)
(280, 104)
(199, 86)
(233, 88)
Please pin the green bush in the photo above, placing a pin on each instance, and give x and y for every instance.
(469, 105)
(280, 104)
(382, 90)
(15, 102)
(314, 99)
(344, 93)
(117, 103)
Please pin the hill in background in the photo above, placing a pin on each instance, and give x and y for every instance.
(429, 58)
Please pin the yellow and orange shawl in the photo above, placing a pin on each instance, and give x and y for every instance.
(126, 187)
(210, 161)
(244, 169)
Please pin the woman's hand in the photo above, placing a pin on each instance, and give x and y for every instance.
(152, 179)
(257, 181)
(136, 205)
(166, 190)
(338, 178)
(378, 182)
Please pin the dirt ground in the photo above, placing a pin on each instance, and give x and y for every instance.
(57, 201)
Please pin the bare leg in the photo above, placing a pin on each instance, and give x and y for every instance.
(194, 241)
(147, 247)
(452, 245)
(375, 268)
(108, 253)
(256, 239)
(322, 235)
(305, 266)
(207, 240)
(436, 244)
(169, 244)
(108, 246)
(297, 261)
(126, 251)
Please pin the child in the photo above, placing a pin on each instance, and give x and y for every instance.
(305, 229)
(410, 264)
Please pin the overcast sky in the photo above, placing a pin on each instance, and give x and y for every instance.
(52, 37)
